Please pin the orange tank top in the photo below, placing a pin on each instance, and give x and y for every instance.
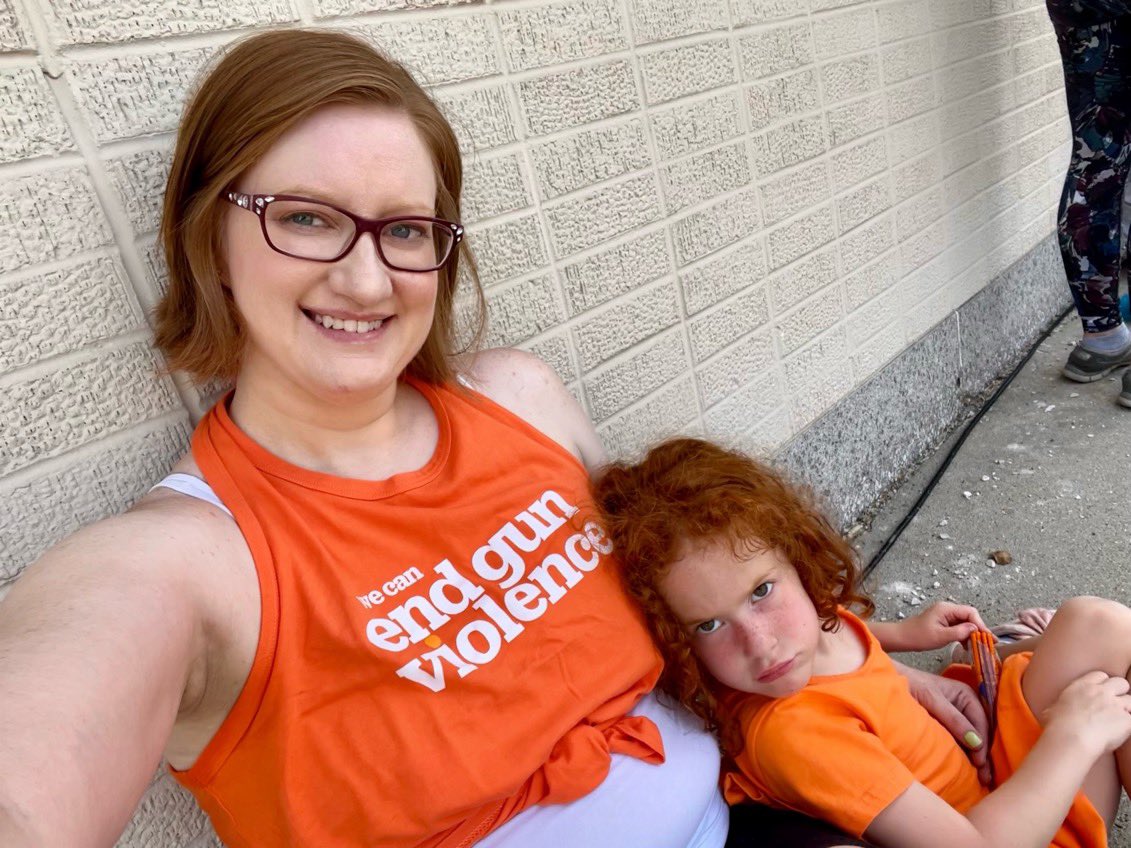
(438, 651)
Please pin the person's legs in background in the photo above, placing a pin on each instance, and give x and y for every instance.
(1096, 53)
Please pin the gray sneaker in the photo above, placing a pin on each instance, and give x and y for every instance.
(1087, 366)
(1125, 393)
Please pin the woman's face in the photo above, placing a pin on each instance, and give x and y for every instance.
(372, 162)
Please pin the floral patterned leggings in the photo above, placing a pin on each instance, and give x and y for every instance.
(1094, 37)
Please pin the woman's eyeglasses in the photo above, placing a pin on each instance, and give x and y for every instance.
(310, 229)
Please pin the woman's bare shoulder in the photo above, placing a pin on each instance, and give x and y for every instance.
(532, 390)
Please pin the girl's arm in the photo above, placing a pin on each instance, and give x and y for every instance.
(937, 626)
(1090, 719)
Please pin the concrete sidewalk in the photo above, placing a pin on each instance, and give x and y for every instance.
(1045, 476)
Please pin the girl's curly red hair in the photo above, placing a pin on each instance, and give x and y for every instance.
(689, 491)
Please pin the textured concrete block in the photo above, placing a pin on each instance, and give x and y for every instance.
(865, 243)
(919, 213)
(624, 268)
(492, 186)
(167, 815)
(809, 320)
(792, 285)
(788, 144)
(578, 96)
(586, 221)
(862, 203)
(746, 12)
(844, 32)
(916, 176)
(858, 450)
(720, 277)
(13, 29)
(46, 416)
(554, 351)
(800, 236)
(912, 138)
(669, 412)
(655, 364)
(745, 408)
(703, 232)
(867, 283)
(106, 21)
(897, 21)
(716, 328)
(30, 122)
(156, 271)
(481, 118)
(128, 96)
(765, 437)
(517, 312)
(64, 310)
(694, 126)
(922, 247)
(850, 121)
(510, 249)
(878, 351)
(659, 20)
(852, 77)
(966, 78)
(874, 316)
(791, 193)
(139, 179)
(783, 97)
(910, 98)
(1035, 54)
(679, 71)
(980, 39)
(40, 231)
(42, 510)
(588, 157)
(705, 175)
(335, 8)
(561, 32)
(856, 164)
(622, 325)
(765, 52)
(470, 47)
(905, 60)
(962, 12)
(817, 376)
(751, 358)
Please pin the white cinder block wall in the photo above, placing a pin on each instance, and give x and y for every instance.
(709, 215)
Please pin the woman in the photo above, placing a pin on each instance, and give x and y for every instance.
(368, 608)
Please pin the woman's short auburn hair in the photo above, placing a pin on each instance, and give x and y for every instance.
(261, 87)
(689, 492)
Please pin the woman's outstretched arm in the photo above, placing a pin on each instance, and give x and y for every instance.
(101, 642)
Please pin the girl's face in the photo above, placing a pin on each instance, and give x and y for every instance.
(371, 161)
(750, 620)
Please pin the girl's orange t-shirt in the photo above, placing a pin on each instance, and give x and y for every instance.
(438, 651)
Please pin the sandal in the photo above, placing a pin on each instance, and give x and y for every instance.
(1028, 623)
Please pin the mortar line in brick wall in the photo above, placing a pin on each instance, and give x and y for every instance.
(116, 218)
(71, 358)
(66, 263)
(671, 220)
(117, 148)
(305, 11)
(40, 164)
(24, 58)
(157, 45)
(30, 474)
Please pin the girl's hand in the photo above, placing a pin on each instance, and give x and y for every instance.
(939, 625)
(1096, 709)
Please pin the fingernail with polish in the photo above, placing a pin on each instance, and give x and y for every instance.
(972, 739)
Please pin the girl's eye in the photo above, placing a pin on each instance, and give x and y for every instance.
(304, 219)
(408, 230)
(762, 590)
(708, 626)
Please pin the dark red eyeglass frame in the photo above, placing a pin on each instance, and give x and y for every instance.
(258, 204)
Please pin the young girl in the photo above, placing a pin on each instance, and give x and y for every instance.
(746, 588)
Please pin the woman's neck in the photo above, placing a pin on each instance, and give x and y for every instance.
(368, 437)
